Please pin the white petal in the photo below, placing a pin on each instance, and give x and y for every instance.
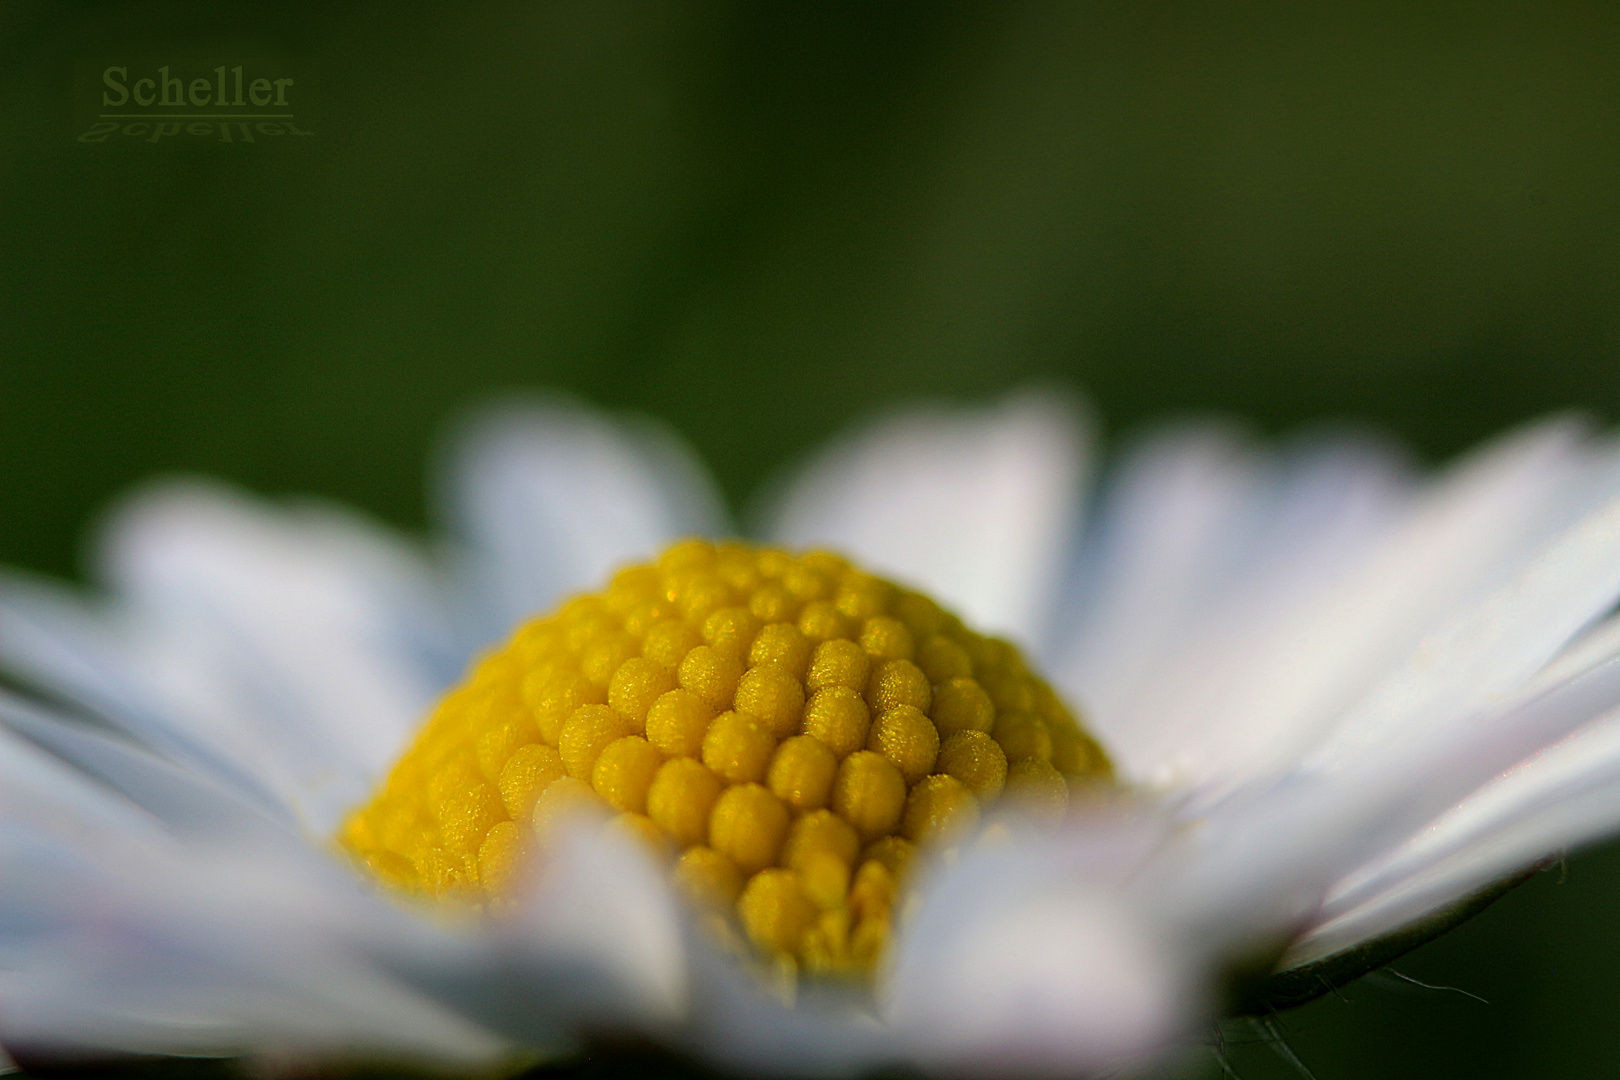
(1260, 863)
(49, 639)
(1022, 960)
(976, 507)
(228, 932)
(1565, 795)
(551, 496)
(115, 937)
(41, 796)
(296, 648)
(1293, 661)
(1034, 961)
(602, 906)
(223, 932)
(1561, 797)
(339, 615)
(1483, 655)
(1508, 827)
(1153, 554)
(211, 966)
(737, 1022)
(1201, 558)
(1461, 707)
(185, 803)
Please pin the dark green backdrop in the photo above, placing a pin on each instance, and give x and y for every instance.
(760, 221)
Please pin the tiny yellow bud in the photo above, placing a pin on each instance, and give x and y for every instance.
(631, 586)
(708, 877)
(604, 655)
(825, 879)
(441, 873)
(960, 704)
(748, 824)
(839, 718)
(773, 697)
(872, 892)
(1073, 753)
(908, 738)
(711, 673)
(624, 771)
(680, 799)
(771, 602)
(801, 773)
(820, 831)
(806, 584)
(644, 833)
(940, 809)
(1021, 736)
(635, 686)
(468, 814)
(581, 616)
(920, 614)
(775, 910)
(782, 645)
(942, 660)
(536, 642)
(822, 621)
(526, 774)
(564, 800)
(501, 857)
(887, 638)
(861, 596)
(1010, 691)
(839, 662)
(668, 642)
(457, 771)
(585, 734)
(731, 630)
(895, 683)
(687, 555)
(737, 748)
(894, 852)
(553, 698)
(870, 938)
(1036, 789)
(869, 793)
(773, 562)
(700, 596)
(830, 564)
(677, 722)
(738, 567)
(498, 743)
(977, 760)
(641, 619)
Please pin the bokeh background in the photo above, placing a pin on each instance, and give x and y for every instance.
(762, 221)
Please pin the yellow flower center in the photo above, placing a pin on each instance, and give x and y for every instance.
(784, 732)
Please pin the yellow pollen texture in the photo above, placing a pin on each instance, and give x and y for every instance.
(783, 732)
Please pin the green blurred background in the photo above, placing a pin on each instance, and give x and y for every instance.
(761, 221)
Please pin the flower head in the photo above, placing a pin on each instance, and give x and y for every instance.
(1337, 700)
(789, 731)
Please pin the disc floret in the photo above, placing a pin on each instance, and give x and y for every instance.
(783, 731)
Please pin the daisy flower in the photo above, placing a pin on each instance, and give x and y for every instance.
(1337, 705)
